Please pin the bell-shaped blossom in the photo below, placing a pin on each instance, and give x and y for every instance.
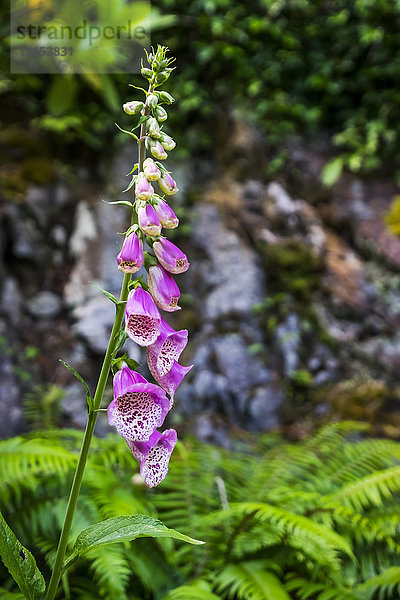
(124, 378)
(156, 149)
(150, 169)
(142, 318)
(167, 142)
(143, 189)
(154, 455)
(137, 410)
(168, 347)
(130, 259)
(153, 128)
(163, 288)
(169, 381)
(167, 184)
(133, 107)
(170, 256)
(168, 218)
(161, 114)
(149, 222)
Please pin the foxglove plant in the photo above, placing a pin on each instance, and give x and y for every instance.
(139, 407)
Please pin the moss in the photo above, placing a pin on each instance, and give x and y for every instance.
(292, 267)
(38, 170)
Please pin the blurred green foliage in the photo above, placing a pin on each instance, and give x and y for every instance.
(317, 519)
(294, 67)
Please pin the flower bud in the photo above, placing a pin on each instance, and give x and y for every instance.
(153, 128)
(166, 97)
(150, 169)
(167, 142)
(155, 148)
(132, 108)
(130, 259)
(149, 222)
(148, 73)
(151, 101)
(161, 114)
(162, 76)
(143, 189)
(168, 218)
(170, 256)
(163, 288)
(167, 184)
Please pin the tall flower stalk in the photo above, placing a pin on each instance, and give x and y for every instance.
(139, 407)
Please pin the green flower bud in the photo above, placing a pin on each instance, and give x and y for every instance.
(153, 128)
(148, 73)
(167, 142)
(132, 108)
(151, 101)
(162, 76)
(160, 114)
(166, 97)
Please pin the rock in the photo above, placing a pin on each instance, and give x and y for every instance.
(278, 202)
(288, 339)
(10, 301)
(263, 408)
(95, 319)
(208, 428)
(10, 409)
(45, 305)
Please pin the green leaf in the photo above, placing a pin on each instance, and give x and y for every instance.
(6, 595)
(127, 132)
(120, 340)
(121, 202)
(198, 589)
(107, 294)
(250, 581)
(142, 119)
(133, 181)
(122, 529)
(20, 563)
(332, 171)
(89, 398)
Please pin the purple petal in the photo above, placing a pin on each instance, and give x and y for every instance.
(167, 217)
(149, 222)
(154, 467)
(168, 347)
(130, 259)
(125, 378)
(142, 318)
(163, 288)
(141, 449)
(138, 412)
(170, 381)
(170, 256)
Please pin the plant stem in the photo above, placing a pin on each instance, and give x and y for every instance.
(92, 417)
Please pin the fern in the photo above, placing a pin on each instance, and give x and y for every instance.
(250, 581)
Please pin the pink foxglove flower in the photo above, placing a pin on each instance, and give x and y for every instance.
(143, 189)
(167, 142)
(167, 184)
(170, 256)
(130, 259)
(150, 169)
(138, 408)
(142, 318)
(124, 378)
(170, 381)
(154, 455)
(168, 218)
(163, 288)
(149, 222)
(168, 347)
(156, 149)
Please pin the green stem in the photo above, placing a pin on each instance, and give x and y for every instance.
(92, 417)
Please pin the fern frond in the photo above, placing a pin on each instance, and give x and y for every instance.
(384, 585)
(110, 570)
(197, 590)
(371, 490)
(6, 595)
(311, 590)
(250, 581)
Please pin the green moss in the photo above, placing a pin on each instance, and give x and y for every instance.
(291, 267)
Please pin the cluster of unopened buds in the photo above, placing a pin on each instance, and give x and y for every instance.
(139, 408)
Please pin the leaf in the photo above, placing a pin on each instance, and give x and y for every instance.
(6, 595)
(89, 398)
(332, 171)
(122, 529)
(120, 340)
(121, 203)
(251, 581)
(20, 563)
(198, 589)
(127, 132)
(107, 294)
(133, 181)
(61, 95)
(142, 119)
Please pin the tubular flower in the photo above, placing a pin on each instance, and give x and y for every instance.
(149, 222)
(170, 381)
(124, 378)
(168, 347)
(150, 169)
(130, 259)
(133, 107)
(163, 288)
(167, 184)
(154, 455)
(156, 149)
(167, 142)
(143, 189)
(170, 256)
(153, 128)
(137, 409)
(168, 218)
(142, 318)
